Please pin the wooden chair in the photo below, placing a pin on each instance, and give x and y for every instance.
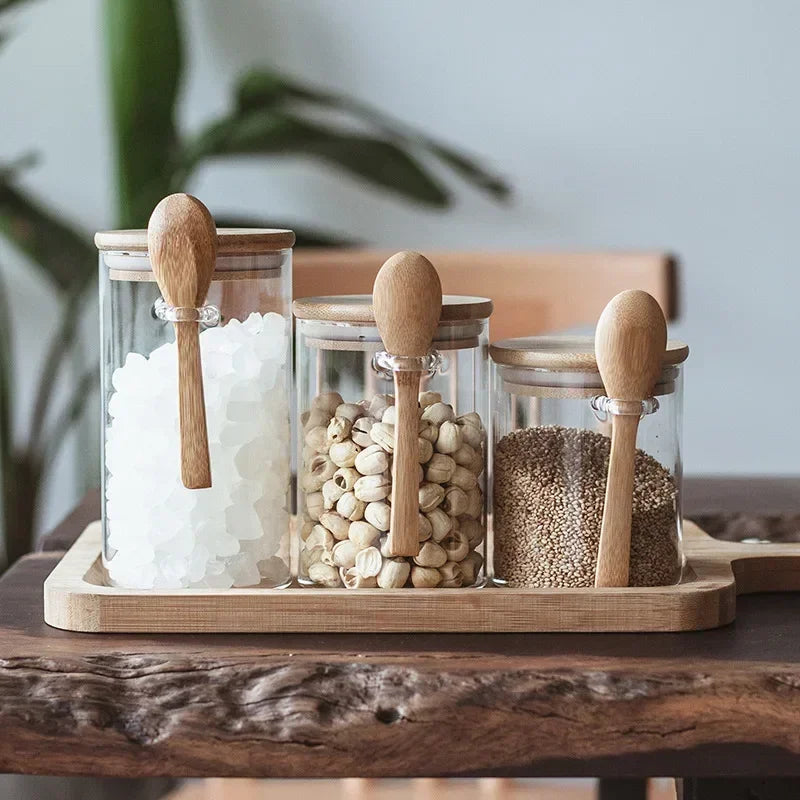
(533, 292)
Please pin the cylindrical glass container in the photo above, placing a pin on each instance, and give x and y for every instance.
(551, 429)
(156, 532)
(346, 435)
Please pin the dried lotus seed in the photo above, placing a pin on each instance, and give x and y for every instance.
(345, 478)
(455, 501)
(425, 450)
(315, 505)
(425, 577)
(383, 434)
(349, 411)
(430, 555)
(317, 439)
(441, 524)
(379, 404)
(452, 576)
(338, 429)
(378, 514)
(336, 524)
(429, 398)
(372, 487)
(456, 545)
(343, 454)
(372, 461)
(329, 401)
(316, 418)
(394, 573)
(331, 492)
(440, 468)
(359, 433)
(324, 574)
(352, 580)
(350, 507)
(368, 562)
(425, 528)
(463, 478)
(344, 554)
(430, 496)
(363, 534)
(319, 537)
(449, 439)
(437, 413)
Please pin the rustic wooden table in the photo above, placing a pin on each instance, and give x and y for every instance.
(722, 704)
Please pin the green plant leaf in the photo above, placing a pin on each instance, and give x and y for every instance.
(264, 132)
(87, 384)
(265, 89)
(306, 237)
(144, 52)
(64, 255)
(56, 359)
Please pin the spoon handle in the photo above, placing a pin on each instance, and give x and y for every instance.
(195, 466)
(404, 523)
(614, 551)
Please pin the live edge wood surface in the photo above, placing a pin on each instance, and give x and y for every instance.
(724, 702)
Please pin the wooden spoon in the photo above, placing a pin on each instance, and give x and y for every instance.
(407, 299)
(182, 242)
(629, 345)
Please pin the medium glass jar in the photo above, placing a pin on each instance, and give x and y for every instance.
(157, 533)
(551, 429)
(345, 426)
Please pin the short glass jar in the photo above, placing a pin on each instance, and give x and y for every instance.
(551, 429)
(345, 409)
(157, 534)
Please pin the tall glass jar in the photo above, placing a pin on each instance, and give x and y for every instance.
(157, 533)
(346, 421)
(551, 429)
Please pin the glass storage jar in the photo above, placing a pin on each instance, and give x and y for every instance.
(156, 532)
(551, 429)
(346, 435)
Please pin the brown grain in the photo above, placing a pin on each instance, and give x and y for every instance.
(549, 488)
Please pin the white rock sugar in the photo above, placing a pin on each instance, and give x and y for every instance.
(167, 536)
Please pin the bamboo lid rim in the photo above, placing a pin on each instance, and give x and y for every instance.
(564, 352)
(230, 241)
(357, 308)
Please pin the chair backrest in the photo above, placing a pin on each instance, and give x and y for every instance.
(533, 292)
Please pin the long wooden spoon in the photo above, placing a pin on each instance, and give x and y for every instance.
(407, 299)
(182, 242)
(629, 344)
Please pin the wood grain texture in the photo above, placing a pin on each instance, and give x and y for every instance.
(404, 522)
(529, 289)
(182, 242)
(614, 547)
(76, 598)
(629, 344)
(407, 301)
(722, 702)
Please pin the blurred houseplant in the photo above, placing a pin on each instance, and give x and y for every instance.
(271, 115)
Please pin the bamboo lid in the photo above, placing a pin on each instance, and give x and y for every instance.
(230, 241)
(357, 308)
(564, 353)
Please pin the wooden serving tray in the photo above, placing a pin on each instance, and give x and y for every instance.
(77, 598)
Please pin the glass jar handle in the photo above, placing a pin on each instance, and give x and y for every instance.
(206, 315)
(603, 407)
(387, 364)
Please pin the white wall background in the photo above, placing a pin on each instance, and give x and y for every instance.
(621, 123)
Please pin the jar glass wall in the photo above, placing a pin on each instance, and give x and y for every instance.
(551, 444)
(156, 532)
(345, 410)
